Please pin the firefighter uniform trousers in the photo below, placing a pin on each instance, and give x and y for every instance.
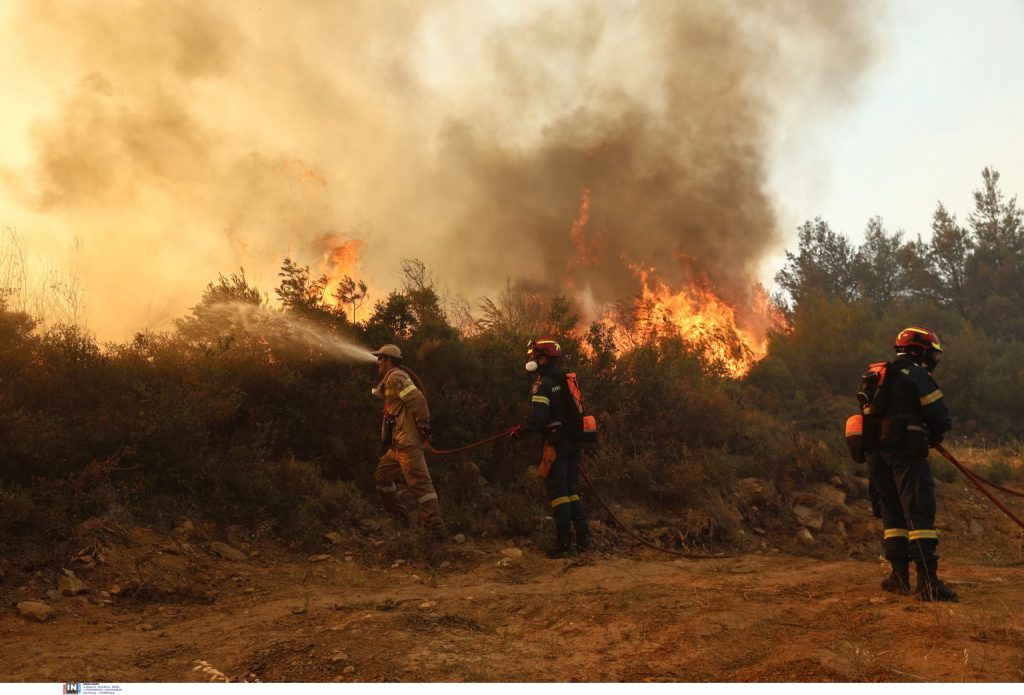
(410, 463)
(562, 484)
(906, 491)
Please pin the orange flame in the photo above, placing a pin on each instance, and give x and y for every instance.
(340, 259)
(590, 248)
(729, 342)
(729, 339)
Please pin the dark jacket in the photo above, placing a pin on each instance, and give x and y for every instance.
(917, 398)
(547, 396)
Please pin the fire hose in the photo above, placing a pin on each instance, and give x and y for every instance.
(450, 452)
(980, 483)
(637, 536)
(508, 433)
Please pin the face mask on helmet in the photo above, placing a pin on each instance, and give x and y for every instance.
(532, 366)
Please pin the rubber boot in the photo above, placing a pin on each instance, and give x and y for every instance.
(564, 547)
(898, 582)
(929, 586)
(583, 539)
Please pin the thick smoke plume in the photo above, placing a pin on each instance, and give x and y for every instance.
(561, 144)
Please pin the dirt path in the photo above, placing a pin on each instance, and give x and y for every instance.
(607, 618)
(156, 605)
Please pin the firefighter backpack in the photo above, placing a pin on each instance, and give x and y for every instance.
(864, 431)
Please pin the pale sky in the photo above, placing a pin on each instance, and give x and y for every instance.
(943, 100)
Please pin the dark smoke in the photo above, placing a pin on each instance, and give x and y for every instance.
(185, 139)
(675, 169)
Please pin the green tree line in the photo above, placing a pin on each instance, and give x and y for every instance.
(845, 304)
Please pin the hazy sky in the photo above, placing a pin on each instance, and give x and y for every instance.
(162, 136)
(942, 101)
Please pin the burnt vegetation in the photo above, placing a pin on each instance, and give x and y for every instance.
(211, 420)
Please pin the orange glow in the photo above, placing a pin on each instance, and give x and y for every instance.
(340, 259)
(729, 340)
(305, 173)
(590, 248)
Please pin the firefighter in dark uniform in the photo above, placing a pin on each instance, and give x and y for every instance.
(915, 415)
(562, 448)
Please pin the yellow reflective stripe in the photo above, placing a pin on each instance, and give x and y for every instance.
(925, 533)
(558, 501)
(574, 498)
(895, 533)
(931, 397)
(541, 399)
(389, 392)
(407, 390)
(427, 497)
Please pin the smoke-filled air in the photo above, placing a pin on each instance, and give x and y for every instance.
(510, 341)
(610, 151)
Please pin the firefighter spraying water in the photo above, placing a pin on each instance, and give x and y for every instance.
(405, 426)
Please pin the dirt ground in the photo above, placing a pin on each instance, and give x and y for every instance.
(168, 607)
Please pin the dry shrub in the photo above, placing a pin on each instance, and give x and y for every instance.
(999, 470)
(714, 521)
(943, 470)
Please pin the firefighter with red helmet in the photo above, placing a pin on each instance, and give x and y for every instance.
(560, 463)
(913, 415)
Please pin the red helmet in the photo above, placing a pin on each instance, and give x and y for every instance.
(544, 346)
(917, 337)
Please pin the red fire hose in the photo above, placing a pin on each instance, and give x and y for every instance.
(450, 452)
(980, 483)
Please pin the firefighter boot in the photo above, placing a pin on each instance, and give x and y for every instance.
(583, 539)
(929, 586)
(898, 582)
(564, 547)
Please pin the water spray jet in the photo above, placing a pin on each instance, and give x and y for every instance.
(282, 332)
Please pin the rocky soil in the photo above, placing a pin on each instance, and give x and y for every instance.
(801, 602)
